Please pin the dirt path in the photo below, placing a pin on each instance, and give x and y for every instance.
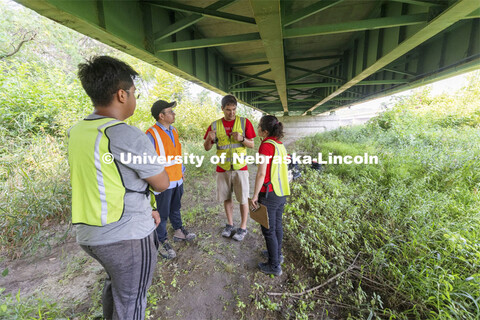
(211, 278)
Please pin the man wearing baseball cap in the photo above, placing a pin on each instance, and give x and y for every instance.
(164, 137)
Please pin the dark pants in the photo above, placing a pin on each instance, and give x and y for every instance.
(273, 235)
(168, 205)
(129, 265)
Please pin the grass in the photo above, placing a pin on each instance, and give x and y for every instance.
(34, 189)
(413, 218)
(16, 307)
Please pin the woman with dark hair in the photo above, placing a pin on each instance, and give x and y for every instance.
(271, 190)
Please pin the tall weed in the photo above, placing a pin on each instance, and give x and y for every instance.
(413, 217)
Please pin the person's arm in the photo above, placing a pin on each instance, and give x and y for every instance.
(260, 178)
(209, 140)
(247, 137)
(249, 143)
(156, 217)
(159, 182)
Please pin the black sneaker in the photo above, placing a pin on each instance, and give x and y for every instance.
(227, 232)
(166, 250)
(265, 255)
(268, 269)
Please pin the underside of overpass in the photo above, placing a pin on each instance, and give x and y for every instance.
(287, 57)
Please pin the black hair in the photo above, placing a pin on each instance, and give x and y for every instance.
(102, 76)
(272, 126)
(228, 99)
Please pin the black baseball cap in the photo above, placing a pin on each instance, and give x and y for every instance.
(159, 105)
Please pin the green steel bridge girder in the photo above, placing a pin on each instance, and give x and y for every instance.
(306, 56)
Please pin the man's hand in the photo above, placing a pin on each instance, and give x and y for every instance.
(156, 217)
(237, 136)
(211, 135)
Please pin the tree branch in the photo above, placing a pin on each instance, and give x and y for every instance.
(317, 287)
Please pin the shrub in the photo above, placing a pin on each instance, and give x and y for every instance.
(414, 217)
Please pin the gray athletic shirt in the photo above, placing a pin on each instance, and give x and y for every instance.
(137, 221)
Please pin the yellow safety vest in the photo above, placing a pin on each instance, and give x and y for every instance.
(97, 187)
(279, 170)
(228, 145)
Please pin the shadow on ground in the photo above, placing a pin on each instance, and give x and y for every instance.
(211, 278)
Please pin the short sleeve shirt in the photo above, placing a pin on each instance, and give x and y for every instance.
(136, 221)
(268, 149)
(249, 134)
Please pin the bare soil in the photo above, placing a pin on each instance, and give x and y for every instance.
(211, 278)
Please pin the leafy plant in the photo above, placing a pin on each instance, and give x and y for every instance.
(413, 217)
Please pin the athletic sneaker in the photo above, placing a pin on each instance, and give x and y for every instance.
(265, 254)
(227, 232)
(240, 234)
(166, 250)
(183, 235)
(268, 269)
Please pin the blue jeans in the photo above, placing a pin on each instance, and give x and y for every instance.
(274, 235)
(168, 205)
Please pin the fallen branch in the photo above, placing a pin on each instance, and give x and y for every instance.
(317, 287)
(25, 38)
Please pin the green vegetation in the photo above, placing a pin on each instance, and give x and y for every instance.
(405, 232)
(41, 98)
(413, 219)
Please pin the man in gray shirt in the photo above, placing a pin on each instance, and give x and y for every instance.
(110, 196)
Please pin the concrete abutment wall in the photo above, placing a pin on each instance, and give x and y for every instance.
(297, 127)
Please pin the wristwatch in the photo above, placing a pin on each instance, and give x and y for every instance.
(243, 139)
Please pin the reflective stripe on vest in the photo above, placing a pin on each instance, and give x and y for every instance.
(165, 147)
(229, 146)
(279, 171)
(97, 187)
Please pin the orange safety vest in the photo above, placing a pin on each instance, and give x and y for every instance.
(164, 147)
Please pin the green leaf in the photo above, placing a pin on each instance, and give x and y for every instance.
(5, 272)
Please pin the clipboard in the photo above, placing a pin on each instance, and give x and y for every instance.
(259, 214)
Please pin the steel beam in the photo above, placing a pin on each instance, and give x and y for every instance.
(190, 20)
(455, 12)
(352, 26)
(166, 4)
(290, 86)
(265, 94)
(308, 11)
(289, 101)
(256, 63)
(177, 26)
(386, 81)
(268, 17)
(250, 77)
(399, 72)
(207, 42)
(420, 3)
(475, 14)
(317, 72)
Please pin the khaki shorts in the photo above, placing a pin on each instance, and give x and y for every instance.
(233, 180)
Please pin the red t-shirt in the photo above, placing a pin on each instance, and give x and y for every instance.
(268, 149)
(249, 134)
